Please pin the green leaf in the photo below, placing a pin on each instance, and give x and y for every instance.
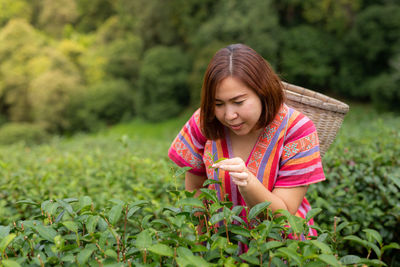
(143, 240)
(396, 180)
(257, 209)
(28, 202)
(240, 230)
(70, 225)
(237, 210)
(10, 263)
(85, 201)
(322, 237)
(91, 223)
(312, 213)
(115, 214)
(162, 250)
(84, 255)
(211, 181)
(391, 246)
(273, 244)
(322, 246)
(375, 248)
(111, 253)
(290, 254)
(350, 259)
(210, 194)
(217, 218)
(250, 259)
(220, 159)
(329, 259)
(373, 235)
(356, 239)
(6, 241)
(66, 206)
(195, 202)
(132, 211)
(181, 171)
(4, 231)
(46, 232)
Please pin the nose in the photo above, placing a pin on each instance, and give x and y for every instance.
(230, 113)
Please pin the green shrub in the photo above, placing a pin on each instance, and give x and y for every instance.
(71, 231)
(102, 104)
(26, 132)
(49, 95)
(162, 87)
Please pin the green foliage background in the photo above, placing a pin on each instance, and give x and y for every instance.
(55, 56)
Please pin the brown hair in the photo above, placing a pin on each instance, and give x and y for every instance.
(242, 62)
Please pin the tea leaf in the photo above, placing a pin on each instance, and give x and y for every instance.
(10, 263)
(290, 254)
(84, 255)
(46, 232)
(350, 259)
(143, 240)
(72, 226)
(391, 246)
(329, 259)
(220, 159)
(162, 250)
(6, 241)
(115, 214)
(373, 235)
(181, 171)
(195, 202)
(312, 213)
(211, 181)
(257, 209)
(322, 246)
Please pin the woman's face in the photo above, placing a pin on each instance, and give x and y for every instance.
(237, 106)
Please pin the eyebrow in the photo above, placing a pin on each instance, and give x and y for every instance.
(233, 98)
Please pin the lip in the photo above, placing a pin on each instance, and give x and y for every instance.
(236, 126)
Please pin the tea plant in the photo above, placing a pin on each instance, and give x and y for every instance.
(196, 231)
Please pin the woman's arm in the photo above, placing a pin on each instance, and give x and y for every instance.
(194, 182)
(254, 192)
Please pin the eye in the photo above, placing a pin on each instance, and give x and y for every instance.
(238, 102)
(218, 104)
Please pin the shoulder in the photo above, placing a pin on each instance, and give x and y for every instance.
(299, 125)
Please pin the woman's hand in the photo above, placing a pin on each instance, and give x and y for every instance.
(237, 169)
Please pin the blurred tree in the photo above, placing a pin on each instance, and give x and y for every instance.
(101, 104)
(334, 15)
(307, 55)
(251, 22)
(19, 44)
(12, 9)
(162, 84)
(370, 46)
(93, 13)
(54, 15)
(50, 94)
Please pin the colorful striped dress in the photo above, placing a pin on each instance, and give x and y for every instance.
(286, 154)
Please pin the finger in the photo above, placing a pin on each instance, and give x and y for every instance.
(239, 175)
(232, 161)
(239, 183)
(233, 168)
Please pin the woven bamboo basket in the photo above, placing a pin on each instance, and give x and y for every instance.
(326, 113)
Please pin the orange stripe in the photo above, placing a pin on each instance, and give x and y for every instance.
(303, 160)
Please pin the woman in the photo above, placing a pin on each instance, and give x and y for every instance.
(271, 150)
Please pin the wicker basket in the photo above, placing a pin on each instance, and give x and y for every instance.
(326, 113)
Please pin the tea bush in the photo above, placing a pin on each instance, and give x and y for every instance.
(43, 190)
(71, 232)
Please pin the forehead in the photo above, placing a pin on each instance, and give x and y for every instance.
(231, 87)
